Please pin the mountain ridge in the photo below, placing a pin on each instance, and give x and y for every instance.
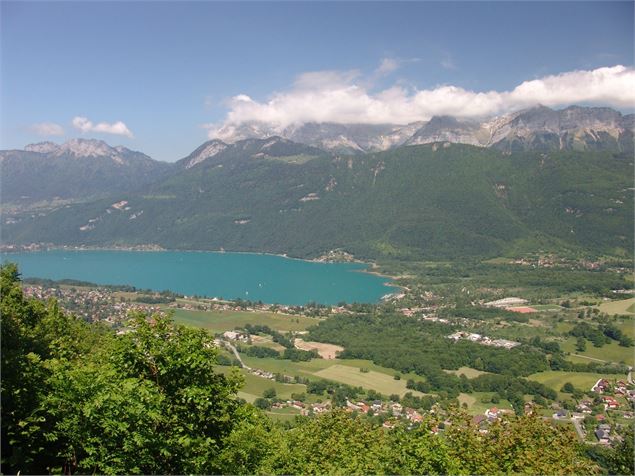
(571, 128)
(412, 202)
(76, 169)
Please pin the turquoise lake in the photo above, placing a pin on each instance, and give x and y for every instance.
(257, 277)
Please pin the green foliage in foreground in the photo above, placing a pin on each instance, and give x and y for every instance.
(78, 399)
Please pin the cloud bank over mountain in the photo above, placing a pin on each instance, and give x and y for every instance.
(347, 97)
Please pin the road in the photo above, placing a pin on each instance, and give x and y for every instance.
(578, 428)
(233, 349)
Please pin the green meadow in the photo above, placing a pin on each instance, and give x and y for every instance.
(221, 321)
(612, 352)
(555, 379)
(467, 371)
(355, 372)
(476, 407)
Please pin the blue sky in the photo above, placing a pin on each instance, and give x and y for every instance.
(164, 70)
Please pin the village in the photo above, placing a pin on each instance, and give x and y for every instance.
(91, 304)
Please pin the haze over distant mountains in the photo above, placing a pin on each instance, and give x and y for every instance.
(573, 128)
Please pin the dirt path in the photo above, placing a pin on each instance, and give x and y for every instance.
(590, 358)
(233, 349)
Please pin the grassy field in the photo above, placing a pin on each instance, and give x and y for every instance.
(476, 407)
(221, 321)
(380, 379)
(563, 327)
(548, 307)
(254, 386)
(612, 352)
(287, 367)
(625, 306)
(627, 327)
(467, 371)
(555, 379)
(283, 414)
(266, 341)
(371, 379)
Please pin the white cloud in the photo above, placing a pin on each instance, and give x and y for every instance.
(387, 66)
(118, 128)
(345, 97)
(47, 129)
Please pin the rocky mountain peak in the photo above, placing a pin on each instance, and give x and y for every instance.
(42, 147)
(207, 150)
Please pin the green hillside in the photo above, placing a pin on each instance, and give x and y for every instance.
(428, 201)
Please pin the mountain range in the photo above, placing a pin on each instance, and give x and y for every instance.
(77, 169)
(537, 128)
(527, 191)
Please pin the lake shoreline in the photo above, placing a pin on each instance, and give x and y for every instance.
(363, 267)
(372, 267)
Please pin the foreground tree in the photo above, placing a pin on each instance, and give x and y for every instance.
(76, 398)
(339, 443)
(334, 443)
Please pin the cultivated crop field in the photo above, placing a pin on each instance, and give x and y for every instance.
(326, 351)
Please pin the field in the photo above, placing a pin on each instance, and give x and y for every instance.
(476, 407)
(547, 307)
(283, 414)
(287, 367)
(612, 352)
(626, 306)
(371, 379)
(221, 321)
(380, 379)
(627, 327)
(555, 379)
(467, 371)
(266, 341)
(326, 351)
(254, 386)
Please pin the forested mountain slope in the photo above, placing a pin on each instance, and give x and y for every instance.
(429, 201)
